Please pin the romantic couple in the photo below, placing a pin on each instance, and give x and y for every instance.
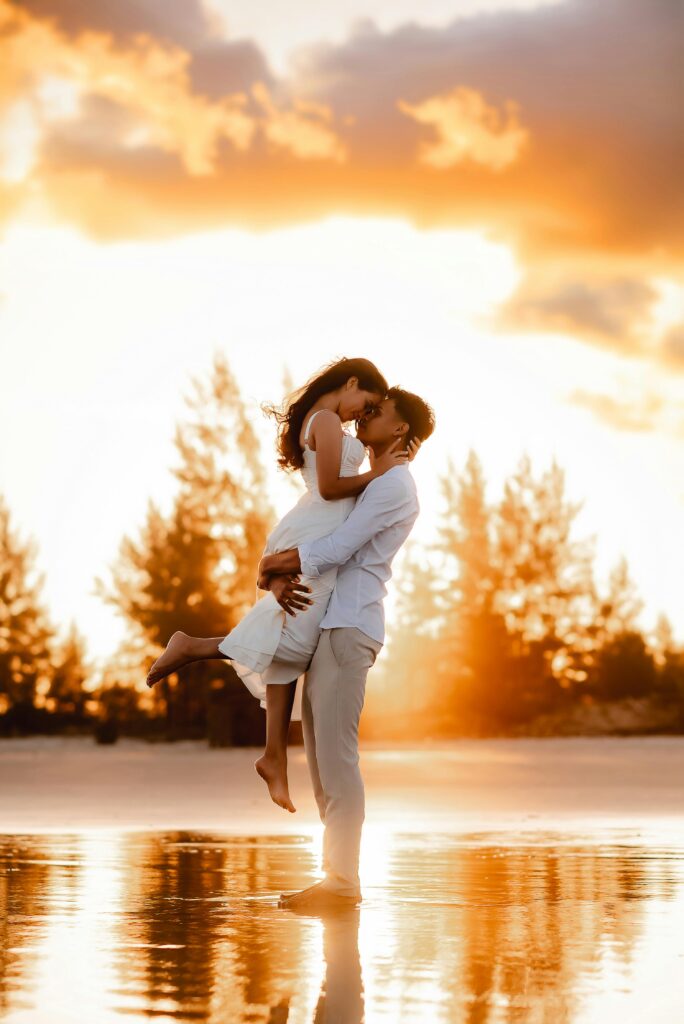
(306, 646)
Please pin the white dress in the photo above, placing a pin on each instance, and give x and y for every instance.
(268, 645)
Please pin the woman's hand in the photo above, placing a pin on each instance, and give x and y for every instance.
(289, 593)
(392, 457)
(413, 449)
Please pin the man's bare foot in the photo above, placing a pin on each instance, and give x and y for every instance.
(176, 654)
(316, 899)
(274, 774)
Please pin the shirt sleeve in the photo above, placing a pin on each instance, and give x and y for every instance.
(384, 503)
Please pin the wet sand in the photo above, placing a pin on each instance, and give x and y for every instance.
(504, 882)
(62, 783)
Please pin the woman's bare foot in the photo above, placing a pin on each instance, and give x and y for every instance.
(178, 653)
(274, 774)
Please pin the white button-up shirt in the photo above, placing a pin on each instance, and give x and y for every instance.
(363, 547)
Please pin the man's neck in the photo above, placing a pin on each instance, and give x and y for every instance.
(380, 447)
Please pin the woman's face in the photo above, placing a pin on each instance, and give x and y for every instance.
(355, 401)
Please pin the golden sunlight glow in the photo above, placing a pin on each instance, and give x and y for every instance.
(533, 311)
(202, 204)
(411, 300)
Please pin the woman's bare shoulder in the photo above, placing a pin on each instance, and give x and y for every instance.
(325, 425)
(326, 416)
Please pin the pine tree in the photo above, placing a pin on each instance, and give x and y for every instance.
(67, 693)
(25, 629)
(663, 642)
(474, 652)
(669, 660)
(195, 569)
(513, 596)
(545, 580)
(404, 681)
(617, 611)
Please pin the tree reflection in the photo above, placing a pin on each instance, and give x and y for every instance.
(456, 928)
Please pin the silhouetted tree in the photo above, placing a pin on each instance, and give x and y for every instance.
(25, 629)
(669, 660)
(545, 577)
(66, 693)
(474, 651)
(118, 703)
(465, 540)
(516, 594)
(120, 692)
(405, 679)
(195, 569)
(611, 638)
(617, 611)
(624, 668)
(501, 618)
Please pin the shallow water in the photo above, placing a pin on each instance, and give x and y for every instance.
(473, 927)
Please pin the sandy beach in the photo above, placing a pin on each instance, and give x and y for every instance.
(506, 879)
(70, 783)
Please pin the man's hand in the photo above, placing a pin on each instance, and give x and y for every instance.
(264, 582)
(289, 593)
(284, 562)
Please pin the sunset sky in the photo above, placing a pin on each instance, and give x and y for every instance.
(483, 197)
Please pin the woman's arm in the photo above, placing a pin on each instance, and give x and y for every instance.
(328, 438)
(382, 507)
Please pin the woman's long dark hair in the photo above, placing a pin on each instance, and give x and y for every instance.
(290, 415)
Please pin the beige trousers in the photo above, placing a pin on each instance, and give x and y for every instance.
(332, 699)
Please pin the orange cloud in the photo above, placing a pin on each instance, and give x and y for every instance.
(637, 414)
(148, 79)
(673, 347)
(613, 310)
(151, 82)
(305, 131)
(556, 130)
(467, 129)
(597, 85)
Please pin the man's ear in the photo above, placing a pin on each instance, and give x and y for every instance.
(402, 429)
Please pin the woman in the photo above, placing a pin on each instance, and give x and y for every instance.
(269, 650)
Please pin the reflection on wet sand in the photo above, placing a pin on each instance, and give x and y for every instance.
(185, 925)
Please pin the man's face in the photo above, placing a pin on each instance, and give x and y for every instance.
(378, 425)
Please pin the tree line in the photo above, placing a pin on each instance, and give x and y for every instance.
(498, 623)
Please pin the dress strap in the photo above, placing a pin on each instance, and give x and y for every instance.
(306, 432)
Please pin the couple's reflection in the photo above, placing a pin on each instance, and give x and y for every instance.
(341, 998)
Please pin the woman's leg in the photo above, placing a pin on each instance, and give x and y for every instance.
(272, 765)
(181, 650)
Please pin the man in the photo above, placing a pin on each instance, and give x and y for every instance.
(352, 635)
